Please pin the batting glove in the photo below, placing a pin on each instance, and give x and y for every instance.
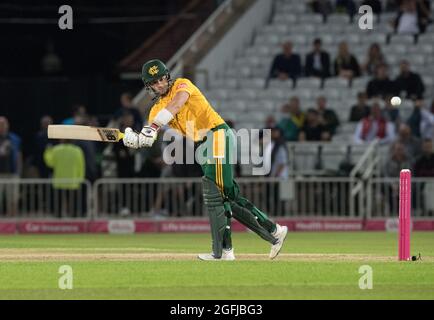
(131, 138)
(148, 135)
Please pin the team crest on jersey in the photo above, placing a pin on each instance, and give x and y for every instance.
(153, 70)
(182, 86)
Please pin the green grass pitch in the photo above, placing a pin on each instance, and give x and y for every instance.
(163, 266)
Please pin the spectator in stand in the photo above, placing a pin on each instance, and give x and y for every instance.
(412, 145)
(374, 4)
(398, 159)
(40, 144)
(276, 166)
(286, 65)
(374, 59)
(381, 85)
(125, 157)
(128, 106)
(77, 111)
(317, 62)
(312, 129)
(346, 64)
(348, 6)
(424, 166)
(374, 126)
(413, 17)
(409, 82)
(323, 7)
(89, 151)
(391, 112)
(277, 154)
(10, 166)
(421, 121)
(293, 119)
(361, 109)
(328, 117)
(68, 162)
(270, 122)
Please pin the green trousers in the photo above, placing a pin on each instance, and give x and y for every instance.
(218, 149)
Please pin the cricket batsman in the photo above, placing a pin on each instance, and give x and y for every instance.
(179, 103)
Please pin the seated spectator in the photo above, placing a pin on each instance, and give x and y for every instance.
(276, 155)
(323, 7)
(328, 117)
(421, 121)
(347, 6)
(40, 144)
(381, 85)
(312, 129)
(317, 62)
(412, 145)
(374, 4)
(374, 126)
(391, 112)
(286, 65)
(409, 82)
(10, 166)
(424, 166)
(374, 59)
(346, 64)
(292, 121)
(77, 111)
(398, 160)
(128, 106)
(361, 109)
(413, 17)
(270, 122)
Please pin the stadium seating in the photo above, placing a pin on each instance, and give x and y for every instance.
(293, 21)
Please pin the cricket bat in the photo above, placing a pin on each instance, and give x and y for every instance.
(75, 132)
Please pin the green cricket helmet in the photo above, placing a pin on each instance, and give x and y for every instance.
(153, 70)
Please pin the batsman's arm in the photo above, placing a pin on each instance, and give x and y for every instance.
(169, 112)
(149, 132)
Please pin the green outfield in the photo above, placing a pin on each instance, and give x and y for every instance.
(163, 266)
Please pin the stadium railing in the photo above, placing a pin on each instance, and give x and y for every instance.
(298, 196)
(42, 198)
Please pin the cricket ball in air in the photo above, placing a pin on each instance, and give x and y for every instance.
(395, 101)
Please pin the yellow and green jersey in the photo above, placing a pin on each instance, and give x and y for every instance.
(196, 117)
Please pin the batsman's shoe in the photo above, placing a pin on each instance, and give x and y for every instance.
(227, 255)
(280, 235)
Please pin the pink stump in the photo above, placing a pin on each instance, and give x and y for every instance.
(404, 214)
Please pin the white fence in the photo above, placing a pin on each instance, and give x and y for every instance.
(180, 197)
(34, 198)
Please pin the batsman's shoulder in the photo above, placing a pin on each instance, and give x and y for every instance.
(184, 84)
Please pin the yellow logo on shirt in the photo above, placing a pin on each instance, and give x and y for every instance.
(153, 70)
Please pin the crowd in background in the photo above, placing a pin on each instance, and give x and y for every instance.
(410, 140)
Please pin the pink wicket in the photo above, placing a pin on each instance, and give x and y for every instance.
(404, 214)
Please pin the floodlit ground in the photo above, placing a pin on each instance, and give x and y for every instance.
(164, 266)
